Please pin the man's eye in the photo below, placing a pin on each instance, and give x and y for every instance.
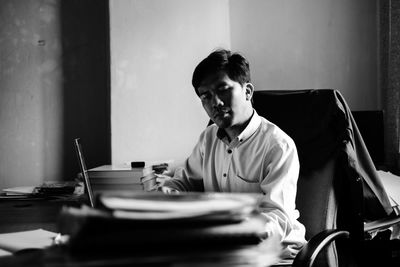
(204, 97)
(222, 90)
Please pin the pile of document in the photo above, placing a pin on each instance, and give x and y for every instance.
(391, 183)
(143, 221)
(124, 177)
(108, 178)
(46, 189)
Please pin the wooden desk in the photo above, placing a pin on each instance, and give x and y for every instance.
(27, 215)
(21, 215)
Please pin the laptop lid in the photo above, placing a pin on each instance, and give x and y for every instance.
(82, 165)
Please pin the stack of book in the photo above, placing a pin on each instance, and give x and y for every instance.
(152, 219)
(113, 178)
(185, 229)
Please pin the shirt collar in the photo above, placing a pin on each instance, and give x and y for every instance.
(250, 129)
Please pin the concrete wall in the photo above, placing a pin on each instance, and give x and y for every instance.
(311, 44)
(54, 72)
(155, 45)
(53, 62)
(290, 44)
(30, 92)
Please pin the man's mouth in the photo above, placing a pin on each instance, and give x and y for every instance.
(220, 113)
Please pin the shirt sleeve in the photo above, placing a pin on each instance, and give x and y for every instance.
(278, 203)
(189, 177)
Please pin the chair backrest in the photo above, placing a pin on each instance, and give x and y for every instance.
(312, 119)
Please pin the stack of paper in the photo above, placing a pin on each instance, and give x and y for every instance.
(391, 183)
(39, 238)
(20, 191)
(47, 189)
(150, 220)
(108, 178)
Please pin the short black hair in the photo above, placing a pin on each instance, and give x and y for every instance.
(233, 64)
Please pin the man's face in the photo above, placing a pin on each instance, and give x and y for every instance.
(225, 101)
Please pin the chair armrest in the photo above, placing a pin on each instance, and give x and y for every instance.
(381, 224)
(315, 245)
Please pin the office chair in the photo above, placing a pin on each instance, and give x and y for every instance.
(340, 196)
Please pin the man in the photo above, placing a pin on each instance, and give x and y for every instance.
(241, 151)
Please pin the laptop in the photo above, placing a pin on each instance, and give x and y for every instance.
(82, 165)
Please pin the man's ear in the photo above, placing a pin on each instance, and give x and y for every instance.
(249, 91)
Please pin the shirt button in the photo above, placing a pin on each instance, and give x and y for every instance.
(224, 174)
(229, 151)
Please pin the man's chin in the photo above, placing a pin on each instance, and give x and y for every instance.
(223, 124)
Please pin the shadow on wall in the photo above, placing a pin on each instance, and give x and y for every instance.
(86, 83)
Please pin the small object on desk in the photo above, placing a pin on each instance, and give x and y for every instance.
(158, 167)
(33, 239)
(20, 193)
(20, 190)
(46, 190)
(137, 164)
(57, 188)
(4, 252)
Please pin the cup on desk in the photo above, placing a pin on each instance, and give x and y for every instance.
(149, 182)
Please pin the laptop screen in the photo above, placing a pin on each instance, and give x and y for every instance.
(84, 171)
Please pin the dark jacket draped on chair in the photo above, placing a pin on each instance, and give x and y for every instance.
(321, 124)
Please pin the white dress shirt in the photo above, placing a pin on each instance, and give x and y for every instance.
(262, 159)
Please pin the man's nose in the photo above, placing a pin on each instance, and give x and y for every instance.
(216, 101)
